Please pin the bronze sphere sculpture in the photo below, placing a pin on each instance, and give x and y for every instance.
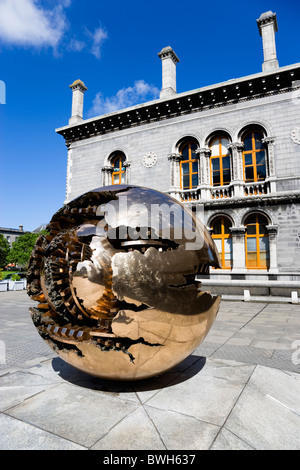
(115, 282)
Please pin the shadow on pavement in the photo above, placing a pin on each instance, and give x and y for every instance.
(182, 372)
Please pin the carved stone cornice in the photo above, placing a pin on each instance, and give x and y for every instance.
(267, 18)
(205, 151)
(168, 52)
(268, 140)
(272, 229)
(175, 157)
(78, 85)
(107, 169)
(237, 231)
(195, 101)
(239, 146)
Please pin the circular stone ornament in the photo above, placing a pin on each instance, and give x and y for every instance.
(114, 286)
(295, 134)
(149, 159)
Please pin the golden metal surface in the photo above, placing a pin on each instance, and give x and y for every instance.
(115, 283)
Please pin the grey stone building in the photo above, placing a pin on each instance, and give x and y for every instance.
(12, 234)
(231, 149)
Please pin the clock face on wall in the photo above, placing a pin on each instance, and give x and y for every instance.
(149, 159)
(295, 134)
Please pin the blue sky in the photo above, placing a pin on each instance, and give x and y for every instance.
(112, 47)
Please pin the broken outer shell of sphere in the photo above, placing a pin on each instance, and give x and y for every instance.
(115, 282)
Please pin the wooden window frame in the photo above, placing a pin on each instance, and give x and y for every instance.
(253, 152)
(190, 162)
(220, 156)
(223, 236)
(120, 172)
(257, 236)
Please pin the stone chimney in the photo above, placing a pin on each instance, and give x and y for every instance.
(267, 25)
(78, 88)
(169, 60)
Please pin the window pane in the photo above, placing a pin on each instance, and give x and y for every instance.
(264, 244)
(224, 143)
(251, 219)
(248, 159)
(228, 245)
(262, 220)
(185, 152)
(216, 178)
(217, 228)
(258, 142)
(260, 158)
(227, 225)
(248, 142)
(261, 172)
(251, 229)
(123, 178)
(186, 181)
(215, 147)
(193, 148)
(263, 230)
(226, 162)
(251, 244)
(252, 260)
(195, 167)
(195, 180)
(226, 177)
(249, 173)
(185, 168)
(116, 179)
(215, 164)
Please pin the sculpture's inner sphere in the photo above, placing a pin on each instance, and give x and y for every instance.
(115, 282)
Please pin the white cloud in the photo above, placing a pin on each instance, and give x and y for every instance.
(76, 45)
(97, 38)
(126, 97)
(25, 23)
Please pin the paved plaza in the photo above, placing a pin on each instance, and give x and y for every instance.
(239, 390)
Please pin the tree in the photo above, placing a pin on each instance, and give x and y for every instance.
(22, 249)
(4, 250)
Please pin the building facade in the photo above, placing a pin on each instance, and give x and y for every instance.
(231, 150)
(12, 234)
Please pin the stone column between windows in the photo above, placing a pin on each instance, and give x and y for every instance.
(107, 175)
(204, 172)
(272, 232)
(237, 168)
(270, 162)
(174, 159)
(238, 249)
(127, 171)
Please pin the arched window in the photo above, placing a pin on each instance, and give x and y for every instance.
(254, 157)
(222, 237)
(118, 174)
(189, 166)
(257, 242)
(220, 161)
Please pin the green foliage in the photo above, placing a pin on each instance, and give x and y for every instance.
(15, 277)
(22, 249)
(4, 251)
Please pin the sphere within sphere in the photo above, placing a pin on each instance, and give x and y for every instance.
(114, 282)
